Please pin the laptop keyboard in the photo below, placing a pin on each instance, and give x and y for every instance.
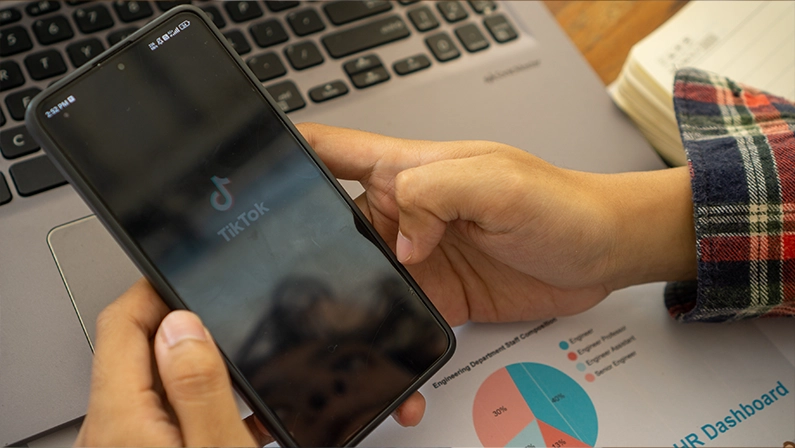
(42, 41)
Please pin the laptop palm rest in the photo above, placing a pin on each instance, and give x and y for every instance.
(94, 268)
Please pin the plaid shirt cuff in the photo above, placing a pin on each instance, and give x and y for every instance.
(740, 145)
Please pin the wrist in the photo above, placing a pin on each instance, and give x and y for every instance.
(654, 230)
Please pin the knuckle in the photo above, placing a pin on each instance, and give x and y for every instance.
(405, 189)
(512, 174)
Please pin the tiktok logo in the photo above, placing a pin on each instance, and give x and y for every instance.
(215, 198)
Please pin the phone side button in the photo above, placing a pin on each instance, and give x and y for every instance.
(35, 176)
(287, 96)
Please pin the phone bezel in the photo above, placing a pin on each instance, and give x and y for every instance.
(93, 199)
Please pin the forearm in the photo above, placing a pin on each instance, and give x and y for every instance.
(655, 234)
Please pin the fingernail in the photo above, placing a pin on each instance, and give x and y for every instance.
(403, 248)
(182, 325)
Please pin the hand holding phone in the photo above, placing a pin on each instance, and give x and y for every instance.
(194, 405)
(226, 210)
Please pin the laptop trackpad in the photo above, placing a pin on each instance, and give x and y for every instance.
(94, 268)
(96, 271)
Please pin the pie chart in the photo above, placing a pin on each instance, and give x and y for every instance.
(533, 405)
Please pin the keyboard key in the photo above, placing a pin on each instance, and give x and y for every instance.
(364, 37)
(5, 193)
(347, 11)
(130, 11)
(14, 40)
(118, 36)
(281, 6)
(9, 15)
(452, 11)
(10, 75)
(45, 64)
(17, 102)
(287, 96)
(35, 176)
(93, 18)
(370, 77)
(472, 38)
(214, 15)
(42, 7)
(328, 91)
(2, 118)
(267, 66)
(166, 5)
(303, 55)
(412, 64)
(423, 18)
(238, 41)
(366, 71)
(242, 11)
(362, 64)
(52, 29)
(82, 52)
(481, 7)
(442, 47)
(305, 22)
(408, 2)
(500, 28)
(17, 142)
(268, 33)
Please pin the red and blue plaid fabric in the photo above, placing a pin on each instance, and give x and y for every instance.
(740, 145)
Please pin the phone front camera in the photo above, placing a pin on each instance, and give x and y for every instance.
(120, 66)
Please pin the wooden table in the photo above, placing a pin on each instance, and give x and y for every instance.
(604, 31)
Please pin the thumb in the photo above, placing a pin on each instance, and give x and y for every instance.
(431, 196)
(197, 383)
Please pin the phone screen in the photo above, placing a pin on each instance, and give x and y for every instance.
(194, 164)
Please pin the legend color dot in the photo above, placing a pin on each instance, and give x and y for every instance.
(572, 356)
(589, 377)
(563, 345)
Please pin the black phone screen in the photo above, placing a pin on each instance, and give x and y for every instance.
(194, 164)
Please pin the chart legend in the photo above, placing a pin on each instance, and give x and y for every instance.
(533, 405)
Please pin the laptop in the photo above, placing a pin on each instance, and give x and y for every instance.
(450, 70)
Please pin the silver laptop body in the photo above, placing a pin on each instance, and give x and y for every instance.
(534, 92)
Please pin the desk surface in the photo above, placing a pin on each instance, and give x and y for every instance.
(604, 31)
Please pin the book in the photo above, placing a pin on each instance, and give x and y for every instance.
(750, 42)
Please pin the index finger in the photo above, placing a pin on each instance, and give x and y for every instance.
(122, 355)
(349, 154)
(353, 155)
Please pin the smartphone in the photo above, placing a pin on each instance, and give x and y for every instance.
(223, 206)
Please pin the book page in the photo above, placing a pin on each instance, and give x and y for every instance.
(750, 42)
(621, 374)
